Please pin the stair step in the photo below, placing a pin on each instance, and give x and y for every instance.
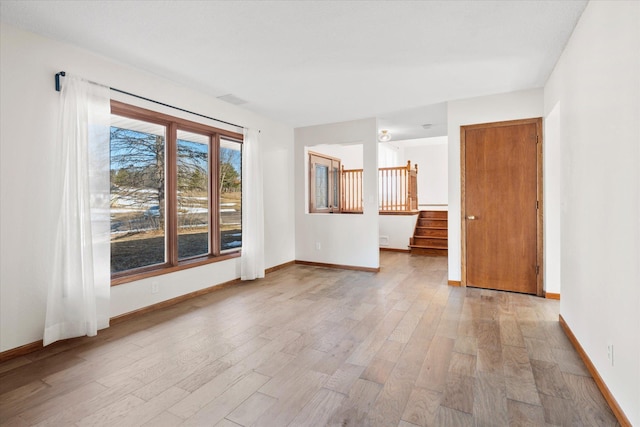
(434, 223)
(430, 242)
(430, 232)
(433, 214)
(422, 250)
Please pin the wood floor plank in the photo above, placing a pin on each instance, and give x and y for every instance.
(459, 393)
(448, 326)
(342, 380)
(300, 390)
(365, 352)
(558, 411)
(524, 415)
(70, 414)
(227, 423)
(462, 364)
(490, 400)
(378, 370)
(405, 328)
(52, 406)
(218, 385)
(274, 364)
(218, 408)
(319, 409)
(538, 349)
(201, 375)
(488, 334)
(107, 415)
(335, 357)
(244, 350)
(17, 400)
(404, 423)
(390, 350)
(451, 417)
(251, 409)
(15, 421)
(510, 331)
(516, 363)
(583, 390)
(422, 407)
(14, 364)
(522, 389)
(317, 346)
(549, 379)
(433, 374)
(182, 370)
(395, 393)
(149, 410)
(34, 371)
(489, 359)
(569, 362)
(466, 345)
(359, 402)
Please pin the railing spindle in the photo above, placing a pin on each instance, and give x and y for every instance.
(397, 189)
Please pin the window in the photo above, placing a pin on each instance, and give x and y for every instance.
(176, 192)
(324, 183)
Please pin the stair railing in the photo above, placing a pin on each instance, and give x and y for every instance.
(398, 188)
(351, 191)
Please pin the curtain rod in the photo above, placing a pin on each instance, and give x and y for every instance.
(62, 73)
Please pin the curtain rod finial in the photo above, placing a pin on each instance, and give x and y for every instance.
(61, 73)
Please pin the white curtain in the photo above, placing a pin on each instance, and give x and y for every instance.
(252, 261)
(79, 289)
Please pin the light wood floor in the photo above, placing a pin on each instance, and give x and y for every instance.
(314, 346)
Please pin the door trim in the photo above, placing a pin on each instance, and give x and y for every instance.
(539, 215)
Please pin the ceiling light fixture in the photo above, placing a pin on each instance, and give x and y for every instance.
(384, 136)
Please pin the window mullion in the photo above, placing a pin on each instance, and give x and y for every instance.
(214, 198)
(172, 194)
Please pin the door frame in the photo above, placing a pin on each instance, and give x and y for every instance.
(539, 194)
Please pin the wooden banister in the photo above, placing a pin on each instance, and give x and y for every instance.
(397, 186)
(351, 191)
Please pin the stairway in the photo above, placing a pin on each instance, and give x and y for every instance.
(430, 234)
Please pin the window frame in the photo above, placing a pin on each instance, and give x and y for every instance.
(333, 187)
(172, 262)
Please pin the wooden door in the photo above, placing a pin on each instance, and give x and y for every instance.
(501, 206)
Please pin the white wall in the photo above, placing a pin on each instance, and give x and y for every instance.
(486, 109)
(28, 113)
(552, 188)
(396, 230)
(597, 85)
(345, 239)
(389, 155)
(431, 155)
(350, 155)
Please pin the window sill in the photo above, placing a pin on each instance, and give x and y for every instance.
(163, 269)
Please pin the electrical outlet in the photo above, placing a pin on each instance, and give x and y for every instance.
(155, 287)
(318, 246)
(610, 354)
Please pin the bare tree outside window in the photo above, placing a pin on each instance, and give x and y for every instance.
(230, 190)
(137, 194)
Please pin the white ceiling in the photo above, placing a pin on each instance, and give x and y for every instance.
(314, 62)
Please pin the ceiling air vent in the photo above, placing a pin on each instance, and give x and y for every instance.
(232, 99)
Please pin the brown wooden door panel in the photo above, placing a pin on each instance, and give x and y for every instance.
(501, 187)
